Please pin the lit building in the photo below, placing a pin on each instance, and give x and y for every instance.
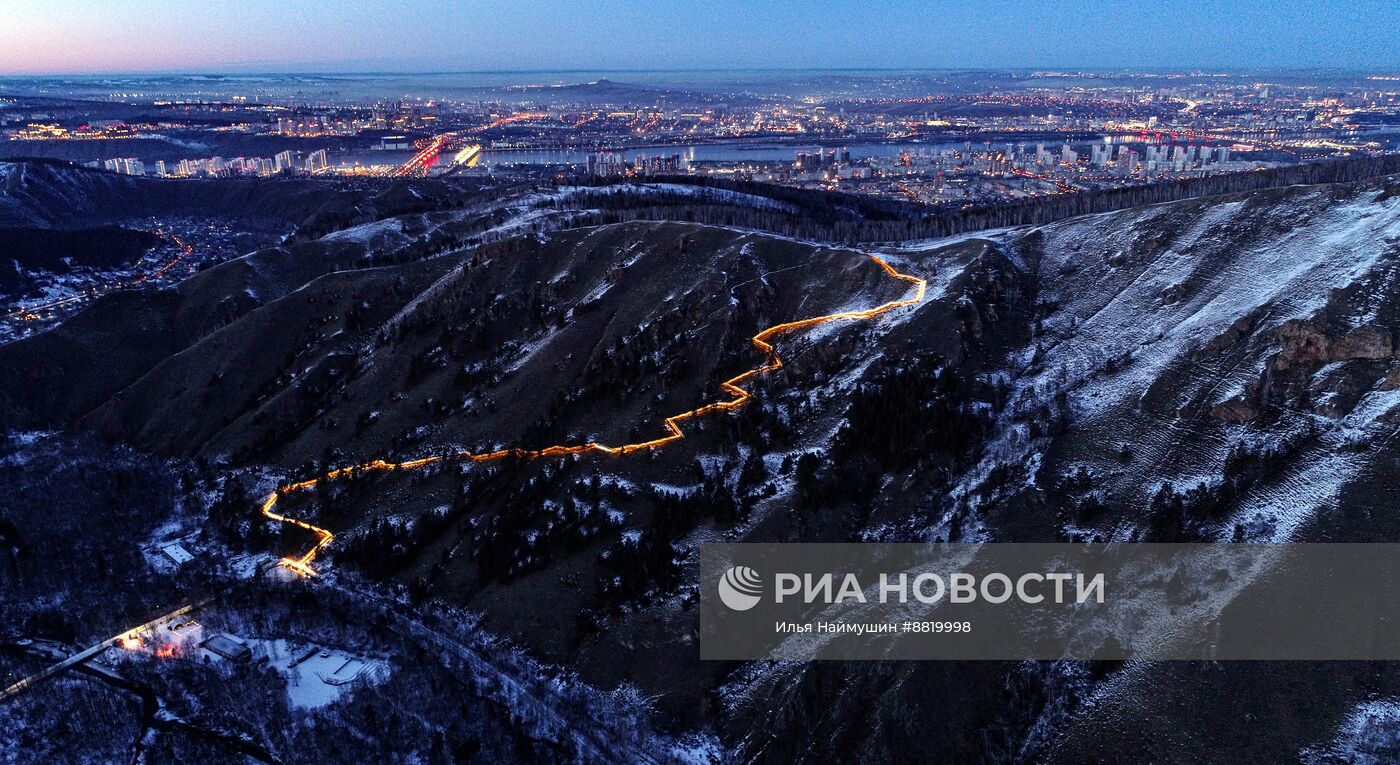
(607, 164)
(128, 166)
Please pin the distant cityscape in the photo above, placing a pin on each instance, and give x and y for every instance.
(285, 162)
(684, 413)
(1038, 133)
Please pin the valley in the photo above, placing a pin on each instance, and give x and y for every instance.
(428, 388)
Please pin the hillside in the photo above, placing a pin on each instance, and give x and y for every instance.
(57, 195)
(27, 251)
(1216, 369)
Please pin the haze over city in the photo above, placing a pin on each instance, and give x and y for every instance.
(96, 36)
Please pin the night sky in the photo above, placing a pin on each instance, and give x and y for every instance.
(67, 36)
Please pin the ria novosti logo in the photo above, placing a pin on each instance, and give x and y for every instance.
(740, 588)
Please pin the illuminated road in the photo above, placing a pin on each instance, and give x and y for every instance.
(522, 117)
(740, 398)
(78, 658)
(912, 194)
(468, 156)
(33, 312)
(1059, 185)
(420, 162)
(185, 251)
(423, 159)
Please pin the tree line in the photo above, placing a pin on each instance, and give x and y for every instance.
(851, 219)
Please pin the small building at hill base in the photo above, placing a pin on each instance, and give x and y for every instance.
(229, 647)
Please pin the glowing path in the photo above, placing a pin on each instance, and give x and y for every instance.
(741, 397)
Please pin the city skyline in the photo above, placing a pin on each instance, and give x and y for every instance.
(157, 36)
(464, 382)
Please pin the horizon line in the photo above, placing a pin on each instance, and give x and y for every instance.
(1192, 69)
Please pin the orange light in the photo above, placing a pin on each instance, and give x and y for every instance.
(130, 642)
(741, 397)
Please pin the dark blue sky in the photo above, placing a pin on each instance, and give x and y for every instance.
(52, 36)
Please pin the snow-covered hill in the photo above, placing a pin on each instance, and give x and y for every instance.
(1216, 369)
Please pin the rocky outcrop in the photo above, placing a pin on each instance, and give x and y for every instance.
(1291, 378)
(1304, 342)
(1392, 377)
(1238, 330)
(1235, 409)
(1366, 342)
(1337, 389)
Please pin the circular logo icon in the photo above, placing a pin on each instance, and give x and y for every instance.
(740, 588)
